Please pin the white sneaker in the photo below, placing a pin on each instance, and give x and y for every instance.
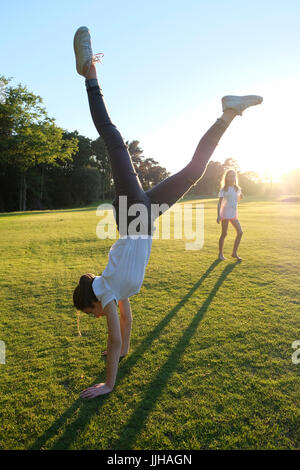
(83, 51)
(240, 103)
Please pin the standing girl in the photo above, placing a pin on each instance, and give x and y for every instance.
(229, 195)
(128, 257)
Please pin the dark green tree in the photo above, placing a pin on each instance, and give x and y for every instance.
(102, 162)
(149, 171)
(28, 136)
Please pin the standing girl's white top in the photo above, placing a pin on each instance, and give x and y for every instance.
(229, 203)
(124, 273)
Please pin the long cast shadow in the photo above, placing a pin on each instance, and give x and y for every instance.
(89, 408)
(132, 428)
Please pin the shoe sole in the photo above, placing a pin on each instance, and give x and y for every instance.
(76, 46)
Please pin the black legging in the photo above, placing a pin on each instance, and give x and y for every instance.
(125, 178)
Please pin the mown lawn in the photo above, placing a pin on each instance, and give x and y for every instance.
(210, 363)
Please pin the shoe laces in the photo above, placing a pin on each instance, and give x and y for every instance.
(97, 58)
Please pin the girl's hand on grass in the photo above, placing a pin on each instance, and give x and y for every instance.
(95, 391)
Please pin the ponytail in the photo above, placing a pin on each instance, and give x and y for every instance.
(83, 295)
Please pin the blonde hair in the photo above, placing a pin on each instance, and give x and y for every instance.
(224, 183)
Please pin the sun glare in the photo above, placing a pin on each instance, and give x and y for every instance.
(264, 140)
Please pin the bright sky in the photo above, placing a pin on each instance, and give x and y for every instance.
(167, 64)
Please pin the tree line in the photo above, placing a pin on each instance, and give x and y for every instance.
(43, 166)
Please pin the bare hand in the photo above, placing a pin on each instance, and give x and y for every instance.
(95, 391)
(218, 220)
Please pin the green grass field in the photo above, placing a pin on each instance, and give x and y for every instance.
(210, 362)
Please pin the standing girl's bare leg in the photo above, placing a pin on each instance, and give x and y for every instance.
(222, 238)
(237, 240)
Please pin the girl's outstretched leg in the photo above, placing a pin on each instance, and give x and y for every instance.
(173, 188)
(124, 175)
(125, 178)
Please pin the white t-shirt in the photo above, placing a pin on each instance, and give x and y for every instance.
(229, 203)
(125, 270)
